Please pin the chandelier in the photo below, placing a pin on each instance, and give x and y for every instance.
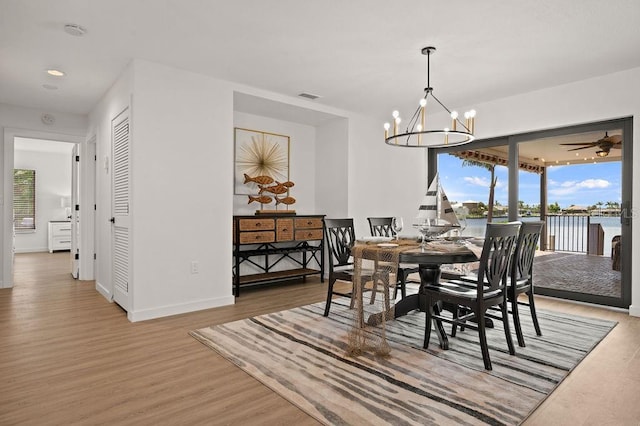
(417, 135)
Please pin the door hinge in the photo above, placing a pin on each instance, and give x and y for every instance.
(95, 256)
(77, 158)
(76, 256)
(77, 207)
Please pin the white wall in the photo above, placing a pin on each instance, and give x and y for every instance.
(53, 181)
(383, 180)
(608, 97)
(182, 174)
(331, 172)
(302, 143)
(26, 122)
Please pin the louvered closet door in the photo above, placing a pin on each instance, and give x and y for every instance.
(121, 242)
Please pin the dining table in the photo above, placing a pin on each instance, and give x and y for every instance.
(430, 256)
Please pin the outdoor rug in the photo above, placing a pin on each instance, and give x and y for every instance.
(301, 355)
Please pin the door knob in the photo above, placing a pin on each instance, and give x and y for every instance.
(112, 220)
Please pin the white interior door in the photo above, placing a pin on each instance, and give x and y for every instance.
(120, 235)
(74, 212)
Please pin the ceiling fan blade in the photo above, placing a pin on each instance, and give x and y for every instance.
(581, 143)
(582, 147)
(614, 138)
(617, 146)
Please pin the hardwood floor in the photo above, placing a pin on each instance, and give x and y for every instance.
(67, 356)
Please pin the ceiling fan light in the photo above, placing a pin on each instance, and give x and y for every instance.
(602, 153)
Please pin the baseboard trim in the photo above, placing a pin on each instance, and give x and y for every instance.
(104, 291)
(634, 311)
(165, 311)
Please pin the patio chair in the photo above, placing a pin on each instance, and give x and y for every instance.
(381, 227)
(616, 246)
(489, 291)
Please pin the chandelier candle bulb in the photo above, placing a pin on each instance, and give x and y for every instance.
(454, 120)
(386, 130)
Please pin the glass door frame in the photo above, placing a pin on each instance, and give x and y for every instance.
(512, 141)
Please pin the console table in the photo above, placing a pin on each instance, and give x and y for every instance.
(276, 238)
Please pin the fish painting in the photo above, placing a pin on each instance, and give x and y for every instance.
(260, 180)
(274, 189)
(288, 183)
(262, 199)
(286, 200)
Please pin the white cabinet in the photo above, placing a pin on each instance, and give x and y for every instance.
(59, 235)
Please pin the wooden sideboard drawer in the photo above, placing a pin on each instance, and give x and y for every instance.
(284, 230)
(309, 234)
(257, 224)
(257, 237)
(308, 223)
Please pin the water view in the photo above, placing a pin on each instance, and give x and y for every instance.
(610, 225)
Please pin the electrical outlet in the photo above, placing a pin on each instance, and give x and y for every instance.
(195, 267)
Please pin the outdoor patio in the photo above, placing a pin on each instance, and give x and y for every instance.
(576, 272)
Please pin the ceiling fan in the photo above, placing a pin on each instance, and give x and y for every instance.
(604, 145)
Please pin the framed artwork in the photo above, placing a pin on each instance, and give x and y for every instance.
(259, 154)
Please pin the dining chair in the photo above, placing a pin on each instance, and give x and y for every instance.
(381, 227)
(340, 237)
(489, 291)
(520, 276)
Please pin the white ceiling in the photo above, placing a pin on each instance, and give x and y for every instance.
(359, 55)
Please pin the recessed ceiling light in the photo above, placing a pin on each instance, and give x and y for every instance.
(56, 73)
(50, 87)
(75, 30)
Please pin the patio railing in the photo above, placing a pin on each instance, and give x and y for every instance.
(568, 233)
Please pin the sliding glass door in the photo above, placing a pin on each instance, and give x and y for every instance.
(577, 180)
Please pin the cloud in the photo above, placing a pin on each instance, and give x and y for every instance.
(481, 181)
(572, 186)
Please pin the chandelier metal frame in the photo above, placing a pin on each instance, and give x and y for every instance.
(417, 136)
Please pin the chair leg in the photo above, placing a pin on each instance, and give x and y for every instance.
(483, 339)
(327, 305)
(454, 326)
(403, 283)
(534, 317)
(516, 322)
(507, 330)
(427, 323)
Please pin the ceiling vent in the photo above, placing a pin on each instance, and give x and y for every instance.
(75, 30)
(308, 96)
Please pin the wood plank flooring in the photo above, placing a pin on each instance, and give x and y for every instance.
(68, 356)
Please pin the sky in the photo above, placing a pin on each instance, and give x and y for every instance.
(579, 184)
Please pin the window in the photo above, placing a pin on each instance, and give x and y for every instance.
(24, 199)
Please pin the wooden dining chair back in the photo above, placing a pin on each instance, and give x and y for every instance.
(340, 237)
(382, 227)
(521, 275)
(489, 291)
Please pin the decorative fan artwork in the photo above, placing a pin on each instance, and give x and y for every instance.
(259, 154)
(603, 146)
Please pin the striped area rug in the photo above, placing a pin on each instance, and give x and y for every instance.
(301, 355)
